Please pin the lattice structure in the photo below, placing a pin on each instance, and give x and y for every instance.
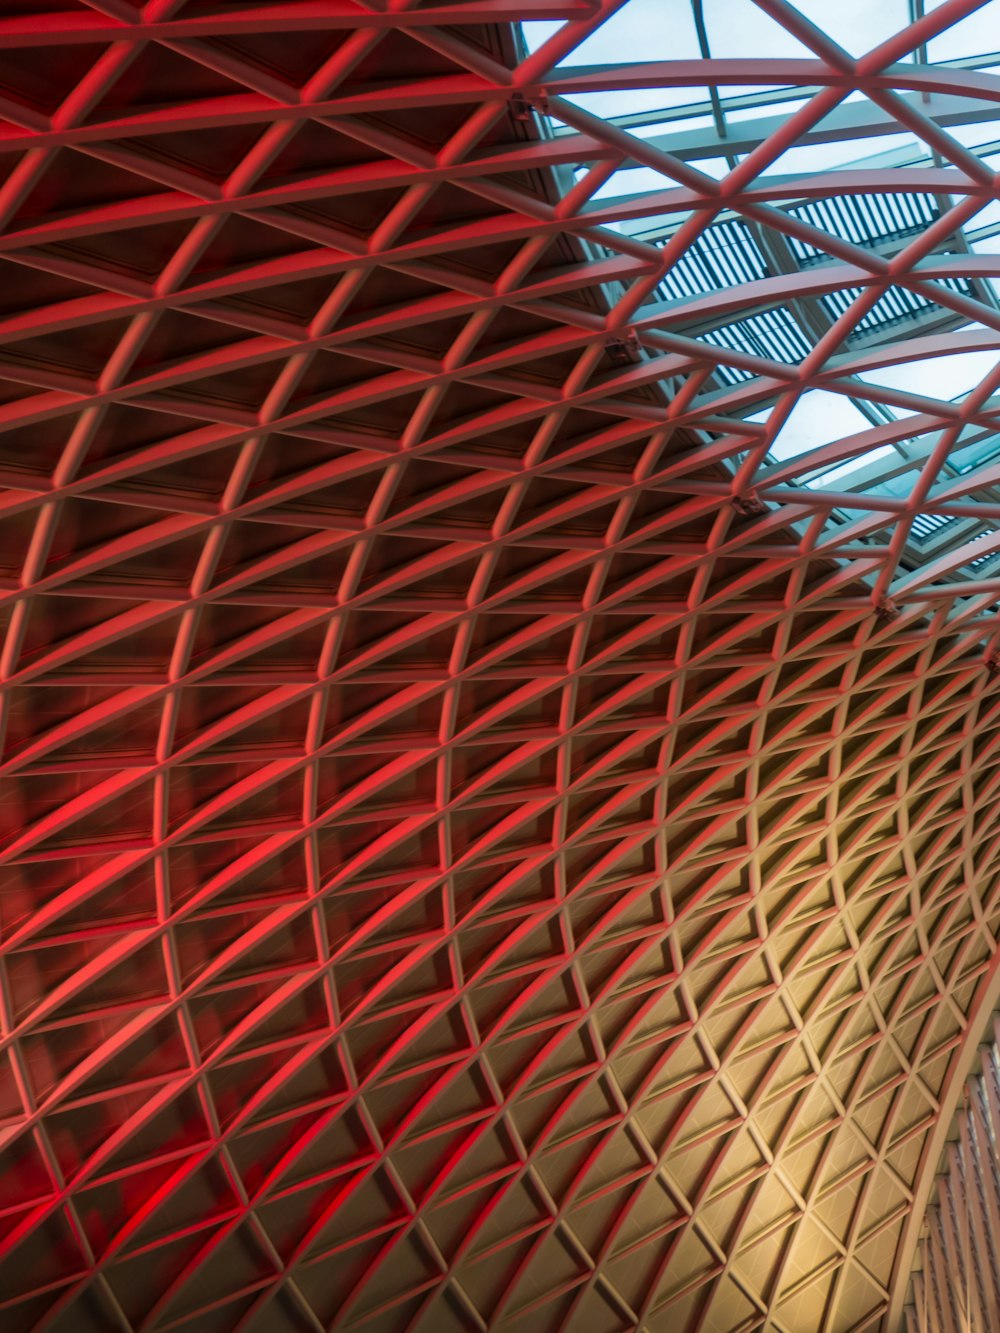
(956, 1288)
(491, 837)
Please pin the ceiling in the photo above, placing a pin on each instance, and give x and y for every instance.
(500, 674)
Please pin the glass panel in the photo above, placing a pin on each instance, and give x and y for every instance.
(817, 418)
(737, 28)
(943, 377)
(857, 25)
(977, 34)
(640, 30)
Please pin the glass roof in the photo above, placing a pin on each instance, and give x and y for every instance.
(857, 225)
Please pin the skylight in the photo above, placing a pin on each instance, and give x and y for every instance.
(854, 222)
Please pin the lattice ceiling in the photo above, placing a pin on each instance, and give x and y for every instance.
(500, 711)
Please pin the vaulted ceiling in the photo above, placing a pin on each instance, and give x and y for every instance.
(499, 790)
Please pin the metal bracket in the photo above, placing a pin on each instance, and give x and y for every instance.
(749, 505)
(523, 109)
(886, 611)
(626, 350)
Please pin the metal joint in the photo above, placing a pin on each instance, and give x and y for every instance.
(749, 505)
(523, 109)
(625, 350)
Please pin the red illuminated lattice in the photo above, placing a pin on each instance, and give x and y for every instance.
(484, 844)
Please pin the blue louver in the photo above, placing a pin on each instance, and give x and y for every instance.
(724, 255)
(898, 303)
(864, 219)
(727, 255)
(925, 525)
(774, 334)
